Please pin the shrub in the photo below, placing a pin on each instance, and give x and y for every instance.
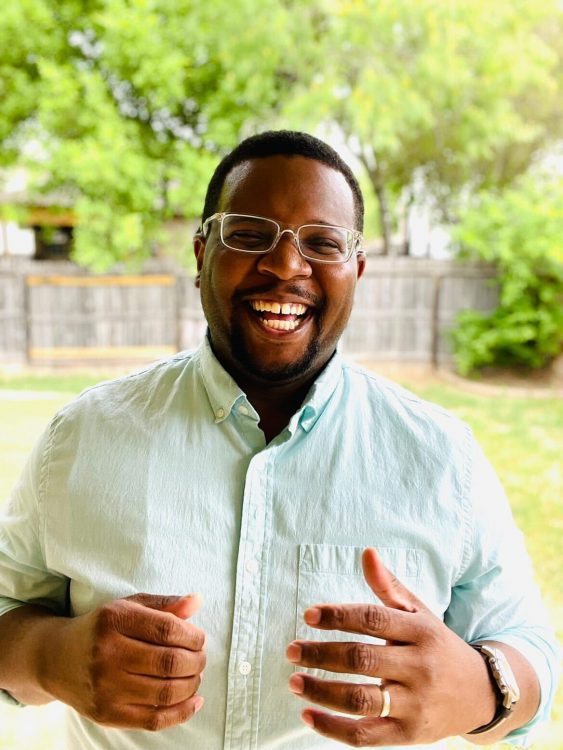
(521, 231)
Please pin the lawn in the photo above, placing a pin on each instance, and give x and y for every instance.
(522, 437)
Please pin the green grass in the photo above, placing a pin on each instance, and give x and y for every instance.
(522, 437)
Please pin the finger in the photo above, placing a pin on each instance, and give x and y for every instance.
(181, 606)
(356, 732)
(185, 607)
(368, 619)
(151, 626)
(154, 691)
(346, 697)
(386, 586)
(155, 718)
(388, 662)
(158, 661)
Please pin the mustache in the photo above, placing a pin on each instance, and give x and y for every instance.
(291, 289)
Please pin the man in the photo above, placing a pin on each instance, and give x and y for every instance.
(262, 471)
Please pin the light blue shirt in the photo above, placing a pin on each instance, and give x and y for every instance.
(162, 482)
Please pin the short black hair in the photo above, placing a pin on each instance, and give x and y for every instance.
(276, 143)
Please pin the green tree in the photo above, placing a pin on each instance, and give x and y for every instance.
(455, 96)
(126, 103)
(520, 231)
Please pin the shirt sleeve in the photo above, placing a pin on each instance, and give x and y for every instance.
(25, 577)
(495, 596)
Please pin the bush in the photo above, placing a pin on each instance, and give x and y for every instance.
(521, 231)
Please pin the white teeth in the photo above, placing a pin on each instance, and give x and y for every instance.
(281, 325)
(286, 308)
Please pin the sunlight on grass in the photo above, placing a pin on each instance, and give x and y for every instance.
(523, 439)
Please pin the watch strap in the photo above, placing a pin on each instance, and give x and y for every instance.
(502, 711)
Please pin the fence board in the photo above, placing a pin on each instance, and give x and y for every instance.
(55, 312)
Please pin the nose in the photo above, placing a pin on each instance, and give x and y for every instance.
(284, 260)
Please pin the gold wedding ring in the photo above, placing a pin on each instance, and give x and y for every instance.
(385, 703)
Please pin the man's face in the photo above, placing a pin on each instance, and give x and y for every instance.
(238, 290)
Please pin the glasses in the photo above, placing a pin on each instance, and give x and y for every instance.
(321, 243)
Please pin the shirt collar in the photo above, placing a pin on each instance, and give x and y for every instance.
(223, 392)
(319, 394)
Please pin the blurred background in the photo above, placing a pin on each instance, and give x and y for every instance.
(113, 115)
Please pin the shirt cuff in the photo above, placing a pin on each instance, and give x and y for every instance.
(538, 660)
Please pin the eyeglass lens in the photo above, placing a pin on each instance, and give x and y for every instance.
(257, 235)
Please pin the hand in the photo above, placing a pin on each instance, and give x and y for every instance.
(132, 663)
(438, 685)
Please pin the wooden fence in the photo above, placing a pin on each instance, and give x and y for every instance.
(56, 313)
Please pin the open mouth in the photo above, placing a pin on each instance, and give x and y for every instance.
(279, 316)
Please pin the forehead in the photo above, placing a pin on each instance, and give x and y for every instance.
(291, 189)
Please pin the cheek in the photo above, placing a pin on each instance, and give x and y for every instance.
(339, 290)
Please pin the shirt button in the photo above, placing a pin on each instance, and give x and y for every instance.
(251, 566)
(243, 410)
(220, 413)
(245, 667)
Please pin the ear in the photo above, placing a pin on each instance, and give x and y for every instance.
(199, 252)
(361, 261)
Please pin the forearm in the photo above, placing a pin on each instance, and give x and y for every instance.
(26, 635)
(527, 706)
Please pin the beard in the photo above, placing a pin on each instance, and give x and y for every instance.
(271, 373)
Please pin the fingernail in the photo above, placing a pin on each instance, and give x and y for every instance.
(308, 719)
(296, 684)
(312, 616)
(198, 703)
(293, 652)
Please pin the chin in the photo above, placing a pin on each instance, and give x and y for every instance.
(273, 372)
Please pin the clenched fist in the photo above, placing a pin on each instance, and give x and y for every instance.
(133, 663)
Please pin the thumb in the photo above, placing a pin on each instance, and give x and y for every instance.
(386, 586)
(181, 606)
(184, 606)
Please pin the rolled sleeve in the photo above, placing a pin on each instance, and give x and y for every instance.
(24, 574)
(496, 597)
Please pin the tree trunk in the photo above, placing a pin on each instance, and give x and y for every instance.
(370, 162)
(384, 216)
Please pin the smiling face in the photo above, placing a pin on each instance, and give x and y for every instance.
(276, 318)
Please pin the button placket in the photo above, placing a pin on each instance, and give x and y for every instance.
(245, 646)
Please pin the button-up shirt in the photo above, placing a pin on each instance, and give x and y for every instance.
(162, 482)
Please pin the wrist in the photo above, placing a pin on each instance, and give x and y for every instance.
(485, 700)
(504, 685)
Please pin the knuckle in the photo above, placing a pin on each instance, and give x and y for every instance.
(166, 694)
(167, 631)
(155, 721)
(362, 658)
(335, 616)
(311, 654)
(359, 700)
(97, 712)
(375, 619)
(359, 735)
(169, 663)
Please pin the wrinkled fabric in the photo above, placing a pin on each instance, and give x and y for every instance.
(162, 482)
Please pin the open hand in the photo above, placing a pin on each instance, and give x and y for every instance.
(436, 684)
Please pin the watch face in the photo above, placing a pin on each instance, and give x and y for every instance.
(503, 675)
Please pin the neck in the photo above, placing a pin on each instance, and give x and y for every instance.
(275, 404)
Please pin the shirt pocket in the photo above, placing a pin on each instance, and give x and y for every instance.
(332, 574)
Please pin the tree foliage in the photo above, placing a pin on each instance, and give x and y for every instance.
(126, 104)
(520, 230)
(456, 96)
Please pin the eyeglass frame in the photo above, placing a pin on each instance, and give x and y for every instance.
(357, 236)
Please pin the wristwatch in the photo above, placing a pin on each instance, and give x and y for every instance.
(506, 687)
